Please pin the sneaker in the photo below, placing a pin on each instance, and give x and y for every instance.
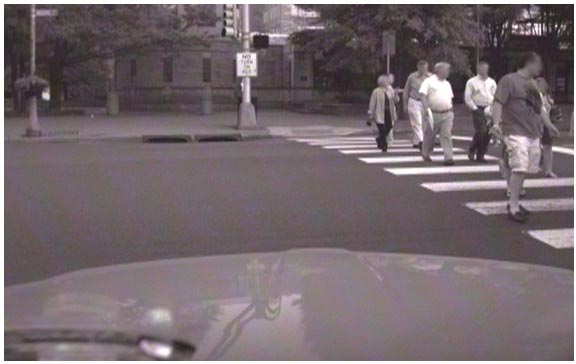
(550, 175)
(471, 156)
(481, 160)
(518, 216)
(449, 162)
(415, 146)
(522, 209)
(427, 158)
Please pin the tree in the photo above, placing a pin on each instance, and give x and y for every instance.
(551, 26)
(497, 23)
(352, 37)
(82, 33)
(15, 47)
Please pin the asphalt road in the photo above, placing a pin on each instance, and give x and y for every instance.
(71, 206)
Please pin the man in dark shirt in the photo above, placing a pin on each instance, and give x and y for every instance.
(519, 116)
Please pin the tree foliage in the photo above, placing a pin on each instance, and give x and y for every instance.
(82, 33)
(352, 38)
(497, 23)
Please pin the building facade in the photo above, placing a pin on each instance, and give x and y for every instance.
(182, 78)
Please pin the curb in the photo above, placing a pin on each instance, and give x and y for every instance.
(243, 136)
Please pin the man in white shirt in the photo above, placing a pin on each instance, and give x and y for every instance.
(437, 115)
(411, 101)
(479, 94)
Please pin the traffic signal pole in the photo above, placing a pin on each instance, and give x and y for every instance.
(247, 114)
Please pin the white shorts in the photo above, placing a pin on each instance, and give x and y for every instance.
(523, 153)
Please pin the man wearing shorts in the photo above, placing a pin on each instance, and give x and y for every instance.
(519, 116)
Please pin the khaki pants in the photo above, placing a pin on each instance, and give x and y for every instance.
(415, 115)
(433, 125)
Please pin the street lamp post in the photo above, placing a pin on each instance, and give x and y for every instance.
(33, 129)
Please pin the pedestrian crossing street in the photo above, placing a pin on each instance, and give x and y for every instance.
(407, 161)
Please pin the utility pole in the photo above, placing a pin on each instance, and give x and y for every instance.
(33, 129)
(247, 115)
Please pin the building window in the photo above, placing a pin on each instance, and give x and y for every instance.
(132, 69)
(168, 69)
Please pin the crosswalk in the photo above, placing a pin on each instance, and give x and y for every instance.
(403, 160)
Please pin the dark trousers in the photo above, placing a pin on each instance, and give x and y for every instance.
(481, 138)
(383, 131)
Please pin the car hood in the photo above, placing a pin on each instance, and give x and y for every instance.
(317, 304)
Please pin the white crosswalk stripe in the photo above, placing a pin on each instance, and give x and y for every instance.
(557, 149)
(358, 142)
(441, 170)
(366, 146)
(495, 184)
(538, 205)
(408, 159)
(305, 140)
(557, 238)
(378, 151)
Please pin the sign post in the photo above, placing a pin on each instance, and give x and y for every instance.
(388, 46)
(246, 62)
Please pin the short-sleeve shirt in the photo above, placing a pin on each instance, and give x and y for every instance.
(521, 105)
(415, 82)
(438, 93)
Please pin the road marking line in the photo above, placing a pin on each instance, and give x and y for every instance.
(417, 158)
(496, 184)
(442, 170)
(344, 143)
(337, 139)
(465, 138)
(344, 146)
(378, 151)
(364, 146)
(557, 238)
(561, 150)
(539, 205)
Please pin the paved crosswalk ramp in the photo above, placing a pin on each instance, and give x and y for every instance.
(471, 180)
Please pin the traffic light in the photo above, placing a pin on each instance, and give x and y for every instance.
(260, 41)
(229, 22)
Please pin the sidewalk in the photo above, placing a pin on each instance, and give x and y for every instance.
(132, 126)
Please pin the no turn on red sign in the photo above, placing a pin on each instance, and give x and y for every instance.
(246, 65)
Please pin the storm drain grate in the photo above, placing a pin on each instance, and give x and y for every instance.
(218, 138)
(166, 138)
